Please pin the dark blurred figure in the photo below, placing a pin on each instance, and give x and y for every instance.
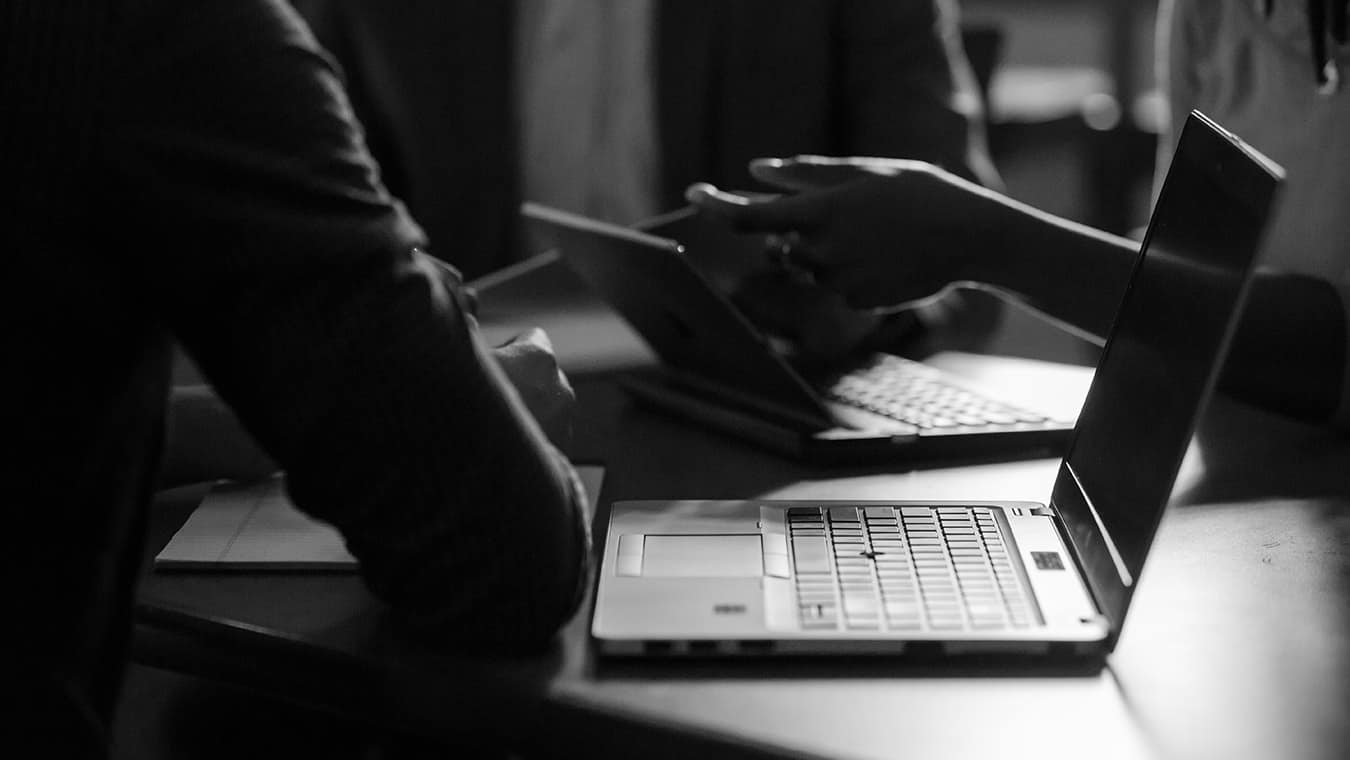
(612, 107)
(193, 172)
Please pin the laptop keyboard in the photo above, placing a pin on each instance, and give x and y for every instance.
(919, 395)
(905, 568)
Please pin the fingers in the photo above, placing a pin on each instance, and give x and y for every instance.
(744, 214)
(816, 320)
(803, 172)
(531, 366)
(529, 361)
(533, 370)
(470, 296)
(772, 300)
(807, 261)
(535, 337)
(815, 172)
(788, 222)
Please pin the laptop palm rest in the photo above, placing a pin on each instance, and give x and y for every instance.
(702, 556)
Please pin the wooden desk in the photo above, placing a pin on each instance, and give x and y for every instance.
(1236, 646)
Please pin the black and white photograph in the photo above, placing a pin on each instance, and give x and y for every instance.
(746, 379)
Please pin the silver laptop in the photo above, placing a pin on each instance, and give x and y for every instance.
(810, 577)
(720, 370)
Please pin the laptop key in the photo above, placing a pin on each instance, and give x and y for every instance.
(817, 610)
(860, 607)
(844, 514)
(811, 555)
(905, 568)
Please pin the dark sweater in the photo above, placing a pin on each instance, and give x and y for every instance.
(192, 172)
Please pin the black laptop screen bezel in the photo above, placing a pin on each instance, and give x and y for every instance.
(1111, 531)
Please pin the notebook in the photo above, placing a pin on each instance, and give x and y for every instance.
(956, 577)
(255, 527)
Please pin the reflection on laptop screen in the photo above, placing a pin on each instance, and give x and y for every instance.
(1162, 354)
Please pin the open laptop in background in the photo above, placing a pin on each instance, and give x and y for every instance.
(720, 370)
(804, 577)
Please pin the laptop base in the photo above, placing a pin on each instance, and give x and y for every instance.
(839, 445)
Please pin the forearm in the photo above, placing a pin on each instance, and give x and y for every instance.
(1288, 353)
(1074, 274)
(371, 389)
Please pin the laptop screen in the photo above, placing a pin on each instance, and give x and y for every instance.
(1162, 355)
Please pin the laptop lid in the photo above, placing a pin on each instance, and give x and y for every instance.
(1162, 355)
(690, 325)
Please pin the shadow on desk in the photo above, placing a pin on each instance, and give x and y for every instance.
(1248, 454)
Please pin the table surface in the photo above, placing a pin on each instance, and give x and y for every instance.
(1237, 645)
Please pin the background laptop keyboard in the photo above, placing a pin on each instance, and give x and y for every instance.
(921, 396)
(907, 568)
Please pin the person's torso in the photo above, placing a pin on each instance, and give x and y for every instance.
(1255, 77)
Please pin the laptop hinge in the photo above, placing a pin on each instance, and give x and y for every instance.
(1051, 511)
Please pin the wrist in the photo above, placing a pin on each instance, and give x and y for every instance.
(984, 241)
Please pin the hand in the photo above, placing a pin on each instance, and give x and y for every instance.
(530, 365)
(817, 323)
(898, 233)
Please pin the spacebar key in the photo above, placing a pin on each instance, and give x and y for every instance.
(811, 554)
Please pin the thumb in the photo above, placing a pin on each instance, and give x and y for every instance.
(535, 337)
(803, 172)
(815, 172)
(795, 212)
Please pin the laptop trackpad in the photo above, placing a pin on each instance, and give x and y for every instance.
(706, 556)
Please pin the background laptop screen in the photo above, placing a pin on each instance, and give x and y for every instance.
(1160, 359)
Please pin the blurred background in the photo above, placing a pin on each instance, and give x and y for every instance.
(1074, 115)
(1073, 107)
